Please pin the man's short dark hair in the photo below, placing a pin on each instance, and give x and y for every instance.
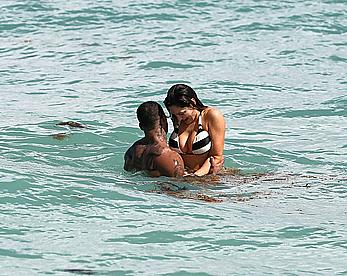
(148, 114)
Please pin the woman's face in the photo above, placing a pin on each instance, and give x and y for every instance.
(186, 115)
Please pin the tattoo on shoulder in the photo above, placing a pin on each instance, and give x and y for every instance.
(178, 169)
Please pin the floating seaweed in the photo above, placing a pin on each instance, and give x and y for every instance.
(71, 124)
(60, 136)
(79, 271)
(63, 135)
(183, 193)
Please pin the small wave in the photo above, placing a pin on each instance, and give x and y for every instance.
(307, 113)
(256, 26)
(16, 254)
(167, 64)
(337, 58)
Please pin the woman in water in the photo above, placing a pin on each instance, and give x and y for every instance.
(199, 131)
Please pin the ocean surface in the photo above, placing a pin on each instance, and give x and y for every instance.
(275, 69)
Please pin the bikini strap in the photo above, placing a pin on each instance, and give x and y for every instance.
(200, 121)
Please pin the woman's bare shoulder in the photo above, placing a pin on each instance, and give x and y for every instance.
(213, 114)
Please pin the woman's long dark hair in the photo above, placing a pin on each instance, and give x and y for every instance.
(181, 95)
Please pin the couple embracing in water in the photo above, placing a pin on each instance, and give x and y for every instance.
(195, 146)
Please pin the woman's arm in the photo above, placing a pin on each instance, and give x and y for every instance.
(215, 125)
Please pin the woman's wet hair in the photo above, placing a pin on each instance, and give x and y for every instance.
(181, 95)
(149, 113)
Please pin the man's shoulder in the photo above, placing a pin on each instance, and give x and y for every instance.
(138, 145)
(133, 156)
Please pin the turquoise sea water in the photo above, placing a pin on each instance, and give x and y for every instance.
(277, 71)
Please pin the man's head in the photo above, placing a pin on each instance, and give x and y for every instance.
(151, 115)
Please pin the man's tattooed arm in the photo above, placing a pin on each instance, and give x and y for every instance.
(178, 168)
(170, 163)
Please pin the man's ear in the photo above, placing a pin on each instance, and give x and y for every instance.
(163, 123)
(193, 101)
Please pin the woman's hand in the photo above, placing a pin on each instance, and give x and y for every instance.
(188, 174)
(216, 165)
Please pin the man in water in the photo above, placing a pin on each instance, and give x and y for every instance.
(152, 153)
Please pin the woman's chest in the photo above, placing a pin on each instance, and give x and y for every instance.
(186, 140)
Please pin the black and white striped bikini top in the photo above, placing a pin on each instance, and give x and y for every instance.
(201, 144)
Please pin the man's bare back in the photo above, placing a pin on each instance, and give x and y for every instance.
(152, 153)
(155, 159)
